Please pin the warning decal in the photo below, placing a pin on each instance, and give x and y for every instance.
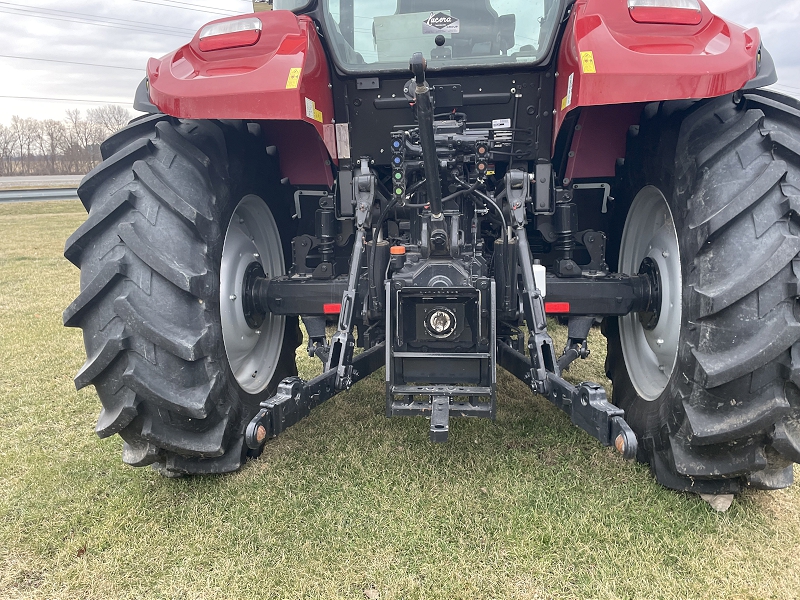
(329, 137)
(587, 62)
(567, 100)
(441, 23)
(312, 112)
(343, 140)
(294, 78)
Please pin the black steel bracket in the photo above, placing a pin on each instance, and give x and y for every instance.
(440, 418)
(407, 380)
(295, 398)
(540, 345)
(343, 343)
(586, 404)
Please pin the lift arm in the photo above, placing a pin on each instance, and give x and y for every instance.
(586, 404)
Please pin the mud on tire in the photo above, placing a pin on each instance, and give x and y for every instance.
(149, 254)
(729, 414)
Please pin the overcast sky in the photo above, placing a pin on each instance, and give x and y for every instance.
(125, 33)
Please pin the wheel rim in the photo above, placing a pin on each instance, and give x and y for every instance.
(252, 236)
(650, 355)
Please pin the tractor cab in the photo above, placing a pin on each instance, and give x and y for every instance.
(377, 37)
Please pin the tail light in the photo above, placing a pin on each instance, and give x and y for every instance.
(555, 308)
(230, 34)
(672, 12)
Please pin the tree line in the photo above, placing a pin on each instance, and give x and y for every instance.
(51, 147)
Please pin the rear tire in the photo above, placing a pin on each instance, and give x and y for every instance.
(150, 256)
(726, 414)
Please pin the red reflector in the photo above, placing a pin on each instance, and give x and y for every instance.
(331, 309)
(229, 40)
(556, 307)
(665, 15)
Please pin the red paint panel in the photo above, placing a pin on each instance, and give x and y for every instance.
(254, 83)
(600, 138)
(331, 309)
(301, 152)
(556, 307)
(645, 62)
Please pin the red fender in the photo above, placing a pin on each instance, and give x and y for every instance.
(607, 58)
(259, 83)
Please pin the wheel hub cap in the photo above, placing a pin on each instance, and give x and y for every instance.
(650, 339)
(252, 339)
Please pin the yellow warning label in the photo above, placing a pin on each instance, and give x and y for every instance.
(563, 103)
(312, 112)
(587, 62)
(294, 78)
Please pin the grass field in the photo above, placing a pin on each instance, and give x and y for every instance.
(347, 504)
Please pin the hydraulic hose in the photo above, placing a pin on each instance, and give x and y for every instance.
(373, 291)
(464, 192)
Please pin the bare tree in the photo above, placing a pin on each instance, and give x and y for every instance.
(53, 143)
(24, 132)
(110, 118)
(6, 150)
(33, 147)
(84, 138)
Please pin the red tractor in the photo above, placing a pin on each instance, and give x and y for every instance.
(435, 177)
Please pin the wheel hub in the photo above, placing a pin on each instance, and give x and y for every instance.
(648, 317)
(252, 338)
(253, 312)
(650, 338)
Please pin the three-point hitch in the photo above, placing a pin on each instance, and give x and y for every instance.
(440, 308)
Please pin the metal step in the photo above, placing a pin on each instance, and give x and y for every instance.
(438, 355)
(481, 410)
(440, 390)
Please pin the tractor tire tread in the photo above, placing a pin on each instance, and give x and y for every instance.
(728, 418)
(149, 292)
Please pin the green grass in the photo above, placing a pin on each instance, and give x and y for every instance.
(346, 501)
